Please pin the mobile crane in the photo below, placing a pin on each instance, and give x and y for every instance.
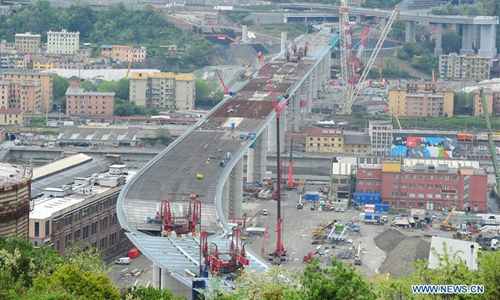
(280, 254)
(445, 225)
(219, 263)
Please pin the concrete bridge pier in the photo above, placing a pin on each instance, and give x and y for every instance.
(273, 136)
(467, 40)
(294, 112)
(283, 43)
(487, 46)
(438, 50)
(156, 276)
(410, 32)
(261, 156)
(237, 193)
(178, 288)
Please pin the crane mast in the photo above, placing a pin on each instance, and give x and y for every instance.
(349, 62)
(490, 139)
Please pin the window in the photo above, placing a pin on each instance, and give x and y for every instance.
(455, 178)
(103, 242)
(412, 204)
(47, 228)
(412, 195)
(394, 185)
(395, 194)
(85, 232)
(421, 196)
(76, 235)
(430, 177)
(429, 196)
(412, 185)
(395, 176)
(438, 186)
(403, 194)
(403, 185)
(421, 177)
(429, 186)
(420, 186)
(67, 240)
(360, 181)
(412, 176)
(438, 177)
(446, 177)
(368, 182)
(37, 229)
(94, 227)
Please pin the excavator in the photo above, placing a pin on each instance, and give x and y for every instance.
(445, 225)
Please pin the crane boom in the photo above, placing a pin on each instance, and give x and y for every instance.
(226, 92)
(490, 139)
(130, 63)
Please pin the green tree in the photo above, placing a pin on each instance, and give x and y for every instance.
(163, 134)
(123, 89)
(107, 86)
(331, 283)
(489, 276)
(202, 90)
(77, 283)
(150, 293)
(398, 30)
(88, 85)
(451, 42)
(199, 53)
(59, 87)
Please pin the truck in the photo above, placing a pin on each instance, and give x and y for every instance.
(223, 8)
(312, 196)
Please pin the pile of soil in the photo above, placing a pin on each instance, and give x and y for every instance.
(389, 239)
(399, 261)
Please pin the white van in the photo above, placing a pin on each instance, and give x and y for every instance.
(123, 261)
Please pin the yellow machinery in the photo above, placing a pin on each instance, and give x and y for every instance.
(319, 234)
(130, 63)
(445, 225)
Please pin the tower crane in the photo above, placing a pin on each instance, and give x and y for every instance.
(491, 141)
(348, 61)
(280, 251)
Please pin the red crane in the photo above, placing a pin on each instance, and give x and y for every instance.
(181, 225)
(226, 92)
(213, 261)
(280, 251)
(290, 183)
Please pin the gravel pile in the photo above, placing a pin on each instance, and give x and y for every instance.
(389, 239)
(399, 261)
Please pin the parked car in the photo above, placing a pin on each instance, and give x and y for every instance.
(123, 261)
(313, 207)
(342, 210)
(265, 212)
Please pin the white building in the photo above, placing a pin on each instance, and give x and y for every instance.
(63, 42)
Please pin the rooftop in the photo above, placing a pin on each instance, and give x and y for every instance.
(12, 173)
(81, 194)
(139, 75)
(60, 165)
(316, 131)
(106, 74)
(80, 91)
(357, 140)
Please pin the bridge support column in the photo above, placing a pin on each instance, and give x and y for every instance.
(358, 20)
(476, 36)
(272, 133)
(237, 199)
(315, 82)
(467, 40)
(244, 33)
(156, 276)
(250, 164)
(283, 43)
(178, 288)
(410, 32)
(438, 50)
(294, 113)
(225, 199)
(261, 156)
(488, 42)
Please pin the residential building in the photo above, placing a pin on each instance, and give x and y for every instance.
(357, 143)
(85, 103)
(6, 47)
(43, 64)
(25, 96)
(473, 67)
(11, 116)
(492, 100)
(63, 42)
(163, 90)
(84, 213)
(11, 60)
(324, 140)
(433, 185)
(45, 81)
(124, 53)
(424, 99)
(28, 42)
(15, 194)
(380, 133)
(355, 2)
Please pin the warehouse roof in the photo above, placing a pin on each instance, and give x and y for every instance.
(60, 165)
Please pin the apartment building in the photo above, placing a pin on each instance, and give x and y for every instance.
(15, 186)
(11, 116)
(380, 133)
(324, 140)
(492, 100)
(63, 42)
(473, 67)
(124, 53)
(85, 103)
(357, 144)
(45, 81)
(428, 184)
(424, 99)
(163, 90)
(19, 95)
(84, 213)
(28, 42)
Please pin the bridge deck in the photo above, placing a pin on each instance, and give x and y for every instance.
(173, 173)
